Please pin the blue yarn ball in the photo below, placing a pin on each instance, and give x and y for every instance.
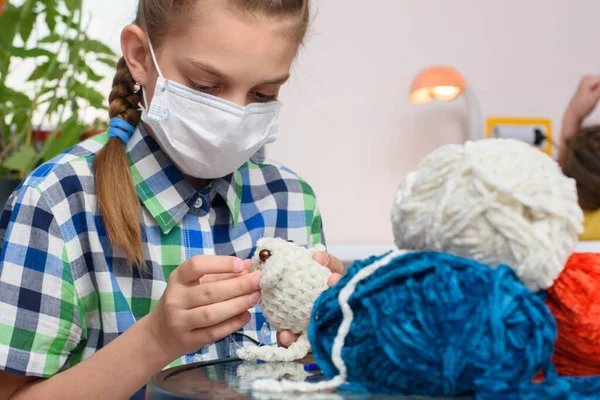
(433, 324)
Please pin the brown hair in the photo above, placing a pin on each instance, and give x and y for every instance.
(582, 163)
(117, 198)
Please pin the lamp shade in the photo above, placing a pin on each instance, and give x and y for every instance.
(440, 82)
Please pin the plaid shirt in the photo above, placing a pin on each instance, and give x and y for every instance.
(65, 292)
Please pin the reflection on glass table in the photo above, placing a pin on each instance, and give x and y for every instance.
(231, 379)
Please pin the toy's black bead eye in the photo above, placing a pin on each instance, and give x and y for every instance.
(264, 255)
(291, 241)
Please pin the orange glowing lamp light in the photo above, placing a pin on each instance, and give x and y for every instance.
(445, 83)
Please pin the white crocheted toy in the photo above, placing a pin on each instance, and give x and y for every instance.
(290, 282)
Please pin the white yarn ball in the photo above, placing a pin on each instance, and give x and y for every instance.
(497, 201)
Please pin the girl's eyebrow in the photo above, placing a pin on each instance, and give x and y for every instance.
(206, 68)
(215, 72)
(277, 81)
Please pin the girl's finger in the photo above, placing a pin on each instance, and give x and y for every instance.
(333, 279)
(329, 261)
(219, 331)
(221, 277)
(191, 271)
(286, 338)
(214, 314)
(220, 291)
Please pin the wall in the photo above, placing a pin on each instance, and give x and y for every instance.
(347, 125)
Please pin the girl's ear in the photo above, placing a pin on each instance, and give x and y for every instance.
(134, 43)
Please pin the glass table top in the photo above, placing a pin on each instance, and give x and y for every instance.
(232, 379)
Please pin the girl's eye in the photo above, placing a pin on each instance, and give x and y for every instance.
(264, 97)
(202, 88)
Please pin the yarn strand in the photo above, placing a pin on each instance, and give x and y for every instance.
(297, 350)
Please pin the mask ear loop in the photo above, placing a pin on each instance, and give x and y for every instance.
(145, 106)
(154, 58)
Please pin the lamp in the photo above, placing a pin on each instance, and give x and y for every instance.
(445, 83)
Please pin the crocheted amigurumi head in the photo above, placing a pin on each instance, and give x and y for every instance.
(290, 282)
(275, 256)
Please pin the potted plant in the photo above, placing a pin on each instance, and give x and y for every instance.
(57, 90)
(95, 128)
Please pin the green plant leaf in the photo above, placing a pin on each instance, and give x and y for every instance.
(53, 107)
(95, 46)
(108, 61)
(51, 38)
(40, 71)
(17, 98)
(46, 89)
(45, 71)
(51, 12)
(73, 5)
(35, 52)
(71, 131)
(69, 21)
(8, 23)
(57, 72)
(75, 55)
(20, 120)
(4, 62)
(27, 25)
(20, 159)
(94, 97)
(90, 73)
(92, 76)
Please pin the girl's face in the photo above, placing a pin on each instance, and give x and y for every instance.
(239, 59)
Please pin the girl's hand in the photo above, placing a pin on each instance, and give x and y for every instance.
(584, 100)
(286, 338)
(197, 309)
(222, 277)
(582, 104)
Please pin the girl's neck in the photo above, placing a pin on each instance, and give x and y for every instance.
(197, 183)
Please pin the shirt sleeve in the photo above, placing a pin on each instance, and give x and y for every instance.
(40, 323)
(314, 221)
(316, 236)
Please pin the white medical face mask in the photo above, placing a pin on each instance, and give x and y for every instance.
(206, 136)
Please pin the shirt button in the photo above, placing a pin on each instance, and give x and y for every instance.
(198, 202)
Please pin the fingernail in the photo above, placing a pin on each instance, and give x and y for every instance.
(238, 265)
(256, 280)
(288, 341)
(322, 258)
(246, 317)
(255, 298)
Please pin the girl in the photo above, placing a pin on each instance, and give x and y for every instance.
(572, 137)
(91, 239)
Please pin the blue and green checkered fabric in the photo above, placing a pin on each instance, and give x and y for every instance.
(65, 292)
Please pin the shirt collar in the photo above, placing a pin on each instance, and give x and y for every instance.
(163, 190)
